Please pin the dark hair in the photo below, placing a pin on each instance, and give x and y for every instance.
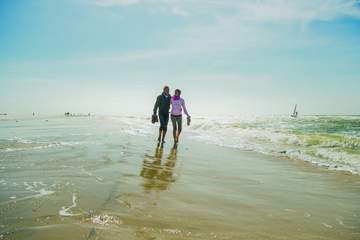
(178, 91)
(165, 87)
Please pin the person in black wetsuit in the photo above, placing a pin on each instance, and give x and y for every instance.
(163, 104)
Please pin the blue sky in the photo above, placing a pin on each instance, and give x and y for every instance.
(229, 57)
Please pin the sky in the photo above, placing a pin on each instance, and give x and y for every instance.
(229, 57)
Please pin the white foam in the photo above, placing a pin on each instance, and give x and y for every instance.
(307, 215)
(20, 140)
(30, 145)
(275, 136)
(28, 186)
(340, 221)
(327, 225)
(136, 132)
(105, 220)
(65, 211)
(99, 179)
(33, 185)
(39, 193)
(43, 192)
(172, 231)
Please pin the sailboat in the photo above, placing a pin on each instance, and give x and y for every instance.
(295, 112)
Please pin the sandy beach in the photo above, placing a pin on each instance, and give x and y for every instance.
(93, 178)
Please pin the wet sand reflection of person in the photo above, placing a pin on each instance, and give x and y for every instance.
(158, 176)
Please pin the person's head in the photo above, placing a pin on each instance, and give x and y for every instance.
(166, 89)
(177, 92)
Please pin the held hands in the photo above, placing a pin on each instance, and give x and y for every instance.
(188, 120)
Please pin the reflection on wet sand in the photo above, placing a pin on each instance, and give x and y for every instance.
(158, 175)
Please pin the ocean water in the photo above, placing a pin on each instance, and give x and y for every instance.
(332, 142)
(103, 177)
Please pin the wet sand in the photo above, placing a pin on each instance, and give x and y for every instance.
(120, 186)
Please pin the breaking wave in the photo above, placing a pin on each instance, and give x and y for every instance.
(329, 141)
(19, 144)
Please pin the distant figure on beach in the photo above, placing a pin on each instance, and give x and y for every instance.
(163, 104)
(177, 106)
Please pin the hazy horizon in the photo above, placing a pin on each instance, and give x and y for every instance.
(228, 57)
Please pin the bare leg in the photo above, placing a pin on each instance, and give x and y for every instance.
(163, 135)
(174, 135)
(174, 131)
(178, 135)
(163, 138)
(160, 133)
(179, 129)
(173, 121)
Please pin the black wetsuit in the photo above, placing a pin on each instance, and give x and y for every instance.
(163, 103)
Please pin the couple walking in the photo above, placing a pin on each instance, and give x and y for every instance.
(163, 103)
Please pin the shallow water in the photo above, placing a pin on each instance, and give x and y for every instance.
(103, 178)
(332, 142)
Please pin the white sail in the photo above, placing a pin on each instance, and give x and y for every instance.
(295, 113)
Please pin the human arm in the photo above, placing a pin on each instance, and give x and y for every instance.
(184, 108)
(156, 106)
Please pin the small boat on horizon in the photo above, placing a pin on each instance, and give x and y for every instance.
(295, 112)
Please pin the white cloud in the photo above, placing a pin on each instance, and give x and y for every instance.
(108, 3)
(255, 10)
(325, 10)
(173, 7)
(244, 30)
(242, 24)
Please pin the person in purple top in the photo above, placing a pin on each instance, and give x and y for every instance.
(177, 106)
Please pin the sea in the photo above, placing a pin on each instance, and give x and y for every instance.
(331, 142)
(253, 177)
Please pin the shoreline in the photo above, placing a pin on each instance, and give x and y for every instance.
(307, 165)
(115, 184)
(191, 133)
